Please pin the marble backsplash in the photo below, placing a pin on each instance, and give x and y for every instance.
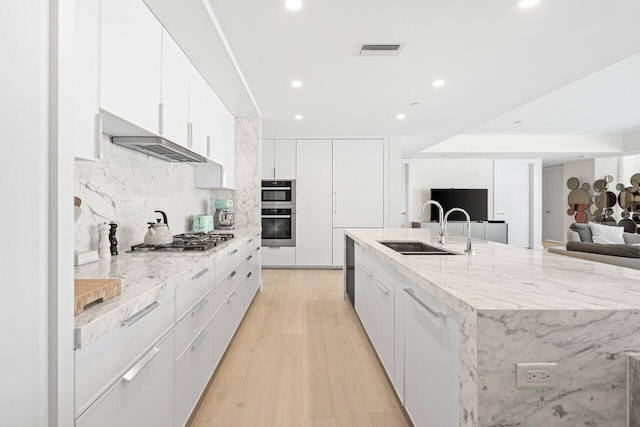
(126, 187)
(248, 175)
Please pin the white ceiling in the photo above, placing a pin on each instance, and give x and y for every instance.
(606, 102)
(493, 55)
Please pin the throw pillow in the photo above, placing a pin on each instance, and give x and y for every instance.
(607, 234)
(583, 231)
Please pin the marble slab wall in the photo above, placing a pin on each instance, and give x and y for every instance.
(248, 162)
(634, 390)
(590, 348)
(126, 187)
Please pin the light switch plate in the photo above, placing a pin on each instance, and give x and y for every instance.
(536, 375)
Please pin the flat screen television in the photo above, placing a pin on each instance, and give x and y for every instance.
(473, 200)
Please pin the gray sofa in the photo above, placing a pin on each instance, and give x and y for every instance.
(574, 236)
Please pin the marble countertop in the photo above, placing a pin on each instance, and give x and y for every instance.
(145, 278)
(501, 277)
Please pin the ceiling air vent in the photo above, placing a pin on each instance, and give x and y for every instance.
(381, 49)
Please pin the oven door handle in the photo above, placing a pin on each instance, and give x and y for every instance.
(275, 188)
(276, 216)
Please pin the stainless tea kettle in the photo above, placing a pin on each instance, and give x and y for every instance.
(159, 233)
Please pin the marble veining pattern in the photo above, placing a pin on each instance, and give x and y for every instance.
(126, 187)
(634, 390)
(590, 349)
(145, 278)
(248, 182)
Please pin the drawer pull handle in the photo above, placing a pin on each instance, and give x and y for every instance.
(233, 273)
(250, 274)
(438, 314)
(139, 315)
(249, 257)
(200, 306)
(250, 240)
(138, 367)
(199, 340)
(231, 297)
(381, 285)
(258, 248)
(199, 275)
(233, 252)
(367, 272)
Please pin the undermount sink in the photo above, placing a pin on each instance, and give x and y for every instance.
(409, 247)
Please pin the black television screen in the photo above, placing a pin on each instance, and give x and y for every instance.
(473, 200)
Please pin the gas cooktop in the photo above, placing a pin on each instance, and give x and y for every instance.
(191, 242)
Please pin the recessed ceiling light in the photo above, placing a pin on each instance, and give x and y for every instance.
(415, 104)
(298, 117)
(296, 83)
(438, 83)
(293, 4)
(401, 117)
(528, 3)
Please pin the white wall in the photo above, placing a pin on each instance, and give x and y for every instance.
(393, 183)
(425, 174)
(24, 213)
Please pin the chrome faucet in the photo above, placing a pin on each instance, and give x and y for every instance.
(441, 219)
(468, 250)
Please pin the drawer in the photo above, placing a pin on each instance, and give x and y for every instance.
(385, 273)
(102, 362)
(143, 396)
(193, 372)
(227, 263)
(278, 256)
(229, 283)
(190, 292)
(193, 322)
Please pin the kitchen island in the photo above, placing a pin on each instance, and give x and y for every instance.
(490, 311)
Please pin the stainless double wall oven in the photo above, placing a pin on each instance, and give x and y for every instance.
(278, 213)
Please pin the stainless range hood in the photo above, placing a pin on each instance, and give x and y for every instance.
(159, 147)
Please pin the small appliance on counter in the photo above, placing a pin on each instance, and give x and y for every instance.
(159, 233)
(202, 223)
(224, 218)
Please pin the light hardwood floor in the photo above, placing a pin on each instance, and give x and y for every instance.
(300, 358)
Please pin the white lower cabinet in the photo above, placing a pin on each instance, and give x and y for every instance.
(416, 338)
(143, 396)
(152, 371)
(193, 371)
(431, 381)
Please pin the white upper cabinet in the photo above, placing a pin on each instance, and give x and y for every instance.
(285, 159)
(279, 159)
(130, 64)
(87, 121)
(358, 183)
(221, 147)
(268, 159)
(174, 114)
(199, 93)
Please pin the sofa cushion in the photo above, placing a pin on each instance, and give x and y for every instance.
(583, 231)
(607, 234)
(626, 251)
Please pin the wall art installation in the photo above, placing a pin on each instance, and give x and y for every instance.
(597, 203)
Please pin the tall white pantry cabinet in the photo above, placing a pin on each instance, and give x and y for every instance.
(339, 184)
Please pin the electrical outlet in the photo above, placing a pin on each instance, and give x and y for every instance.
(536, 375)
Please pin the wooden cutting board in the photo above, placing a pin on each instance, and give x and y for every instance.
(90, 291)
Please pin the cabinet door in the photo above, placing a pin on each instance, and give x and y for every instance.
(88, 136)
(358, 183)
(199, 94)
(268, 159)
(143, 397)
(431, 361)
(221, 145)
(175, 91)
(131, 63)
(314, 243)
(285, 159)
